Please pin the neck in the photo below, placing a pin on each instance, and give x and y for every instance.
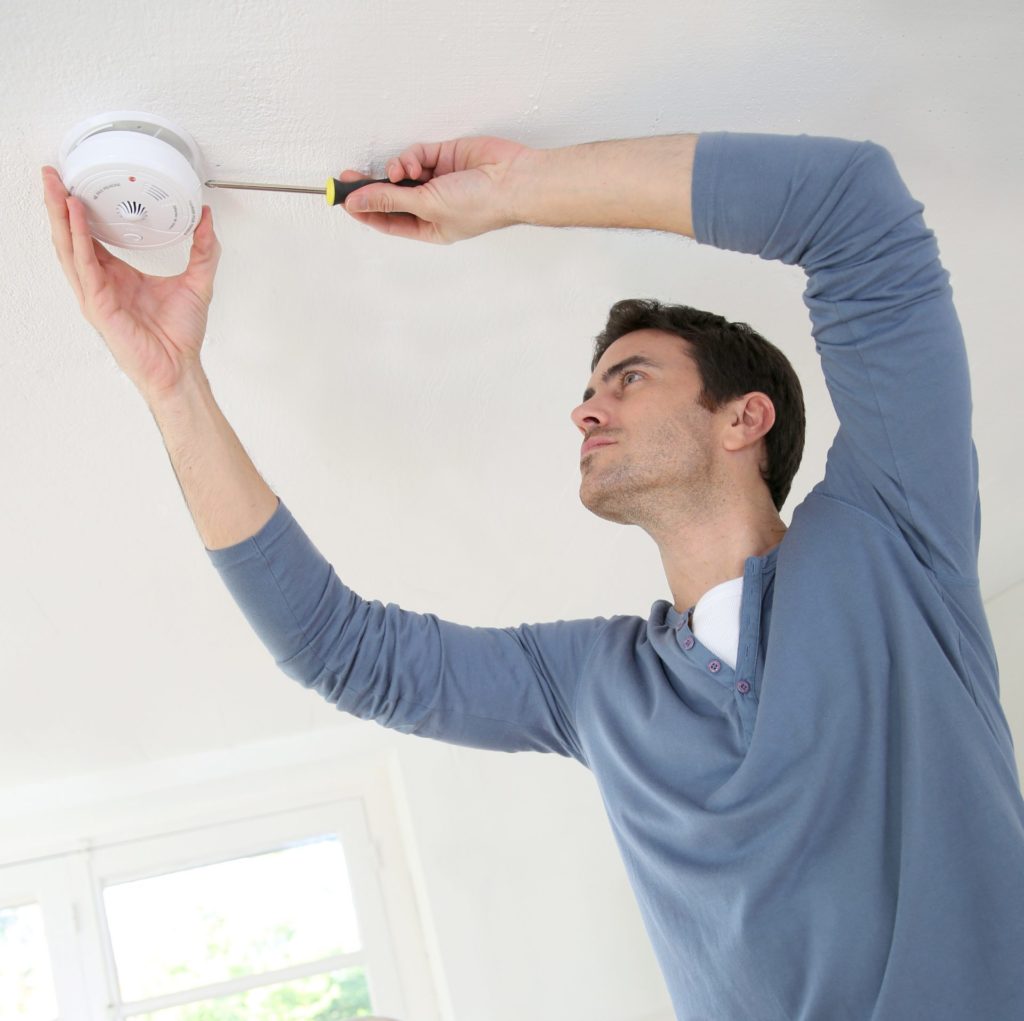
(698, 555)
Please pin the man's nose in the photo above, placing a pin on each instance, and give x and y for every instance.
(589, 415)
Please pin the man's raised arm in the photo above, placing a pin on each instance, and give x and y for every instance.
(501, 688)
(881, 307)
(154, 328)
(474, 185)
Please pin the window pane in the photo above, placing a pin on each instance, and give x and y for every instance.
(241, 917)
(319, 998)
(26, 985)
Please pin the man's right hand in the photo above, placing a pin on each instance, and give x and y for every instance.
(153, 325)
(474, 185)
(468, 189)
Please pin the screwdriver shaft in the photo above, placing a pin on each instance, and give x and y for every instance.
(334, 191)
(264, 187)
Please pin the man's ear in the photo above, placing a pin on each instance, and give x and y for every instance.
(750, 417)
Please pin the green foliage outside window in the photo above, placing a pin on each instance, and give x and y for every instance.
(336, 997)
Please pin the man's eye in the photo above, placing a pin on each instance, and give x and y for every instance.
(626, 376)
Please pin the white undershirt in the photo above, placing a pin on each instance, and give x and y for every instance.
(716, 619)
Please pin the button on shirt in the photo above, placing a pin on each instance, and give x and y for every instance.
(716, 621)
(828, 827)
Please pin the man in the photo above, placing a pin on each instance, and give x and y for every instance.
(803, 757)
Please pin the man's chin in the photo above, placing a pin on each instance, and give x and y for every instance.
(603, 504)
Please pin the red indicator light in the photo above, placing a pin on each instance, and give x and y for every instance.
(131, 178)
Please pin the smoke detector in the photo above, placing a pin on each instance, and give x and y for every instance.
(138, 175)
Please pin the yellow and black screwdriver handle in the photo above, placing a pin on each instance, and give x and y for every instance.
(338, 191)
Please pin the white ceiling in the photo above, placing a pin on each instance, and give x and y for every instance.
(410, 403)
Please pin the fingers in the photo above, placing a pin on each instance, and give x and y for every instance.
(354, 175)
(55, 195)
(408, 164)
(382, 214)
(400, 225)
(86, 265)
(204, 255)
(400, 212)
(418, 162)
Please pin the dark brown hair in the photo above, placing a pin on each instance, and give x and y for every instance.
(733, 359)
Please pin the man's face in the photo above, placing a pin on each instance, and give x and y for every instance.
(648, 445)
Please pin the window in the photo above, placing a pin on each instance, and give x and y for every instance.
(249, 923)
(280, 916)
(26, 985)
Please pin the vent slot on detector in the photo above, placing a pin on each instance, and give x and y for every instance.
(143, 126)
(132, 209)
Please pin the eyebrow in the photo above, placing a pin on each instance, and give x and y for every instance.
(617, 368)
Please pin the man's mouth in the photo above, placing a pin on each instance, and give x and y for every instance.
(593, 443)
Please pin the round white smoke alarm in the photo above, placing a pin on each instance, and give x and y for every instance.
(138, 175)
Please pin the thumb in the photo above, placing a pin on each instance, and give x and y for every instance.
(205, 254)
(387, 198)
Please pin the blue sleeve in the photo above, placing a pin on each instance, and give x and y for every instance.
(883, 321)
(508, 689)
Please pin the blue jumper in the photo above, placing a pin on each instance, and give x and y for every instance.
(834, 830)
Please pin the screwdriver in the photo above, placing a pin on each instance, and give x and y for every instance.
(335, 191)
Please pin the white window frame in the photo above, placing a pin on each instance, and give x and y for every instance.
(60, 886)
(58, 845)
(154, 856)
